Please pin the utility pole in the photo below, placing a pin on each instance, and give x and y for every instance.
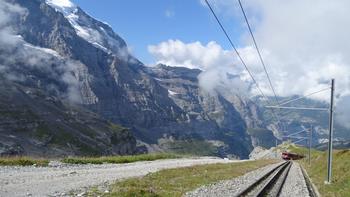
(330, 137)
(310, 145)
(276, 148)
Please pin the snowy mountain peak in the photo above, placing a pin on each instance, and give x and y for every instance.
(61, 3)
(64, 6)
(99, 34)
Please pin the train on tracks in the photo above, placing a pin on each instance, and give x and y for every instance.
(291, 156)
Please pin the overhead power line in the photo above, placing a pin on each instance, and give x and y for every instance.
(295, 137)
(280, 106)
(235, 49)
(241, 59)
(301, 97)
(300, 140)
(301, 108)
(260, 56)
(258, 50)
(296, 133)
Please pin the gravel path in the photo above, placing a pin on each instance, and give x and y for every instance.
(295, 184)
(231, 187)
(58, 180)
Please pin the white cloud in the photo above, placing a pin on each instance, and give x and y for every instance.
(191, 55)
(169, 13)
(211, 58)
(9, 12)
(342, 112)
(16, 54)
(304, 45)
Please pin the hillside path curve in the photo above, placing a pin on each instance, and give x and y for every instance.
(50, 181)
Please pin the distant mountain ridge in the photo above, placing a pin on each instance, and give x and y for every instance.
(75, 62)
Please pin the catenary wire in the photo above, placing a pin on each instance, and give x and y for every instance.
(258, 50)
(260, 57)
(241, 60)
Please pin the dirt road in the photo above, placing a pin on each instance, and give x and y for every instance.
(54, 181)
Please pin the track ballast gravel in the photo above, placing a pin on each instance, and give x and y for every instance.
(294, 185)
(231, 187)
(61, 179)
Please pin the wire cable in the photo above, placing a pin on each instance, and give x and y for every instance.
(241, 59)
(301, 97)
(258, 50)
(260, 56)
(300, 108)
(299, 141)
(235, 49)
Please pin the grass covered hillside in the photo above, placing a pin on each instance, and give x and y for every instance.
(176, 182)
(318, 171)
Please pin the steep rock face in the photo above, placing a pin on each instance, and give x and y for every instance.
(84, 62)
(230, 115)
(40, 90)
(293, 121)
(121, 91)
(34, 123)
(262, 137)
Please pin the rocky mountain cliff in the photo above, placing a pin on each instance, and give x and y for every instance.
(298, 120)
(35, 123)
(44, 86)
(210, 117)
(76, 63)
(219, 116)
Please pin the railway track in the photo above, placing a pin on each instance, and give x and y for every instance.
(284, 179)
(270, 184)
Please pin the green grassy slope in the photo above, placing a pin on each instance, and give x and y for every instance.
(22, 161)
(176, 182)
(317, 171)
(119, 159)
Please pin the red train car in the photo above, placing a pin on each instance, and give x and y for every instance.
(291, 156)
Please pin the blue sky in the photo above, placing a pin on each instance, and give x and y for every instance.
(304, 48)
(142, 23)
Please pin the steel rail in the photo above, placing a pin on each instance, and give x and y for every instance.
(282, 173)
(253, 185)
(310, 186)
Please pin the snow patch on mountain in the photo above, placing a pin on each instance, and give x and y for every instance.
(45, 50)
(172, 93)
(64, 6)
(70, 11)
(61, 3)
(89, 34)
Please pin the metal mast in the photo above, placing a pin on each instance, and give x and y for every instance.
(330, 137)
